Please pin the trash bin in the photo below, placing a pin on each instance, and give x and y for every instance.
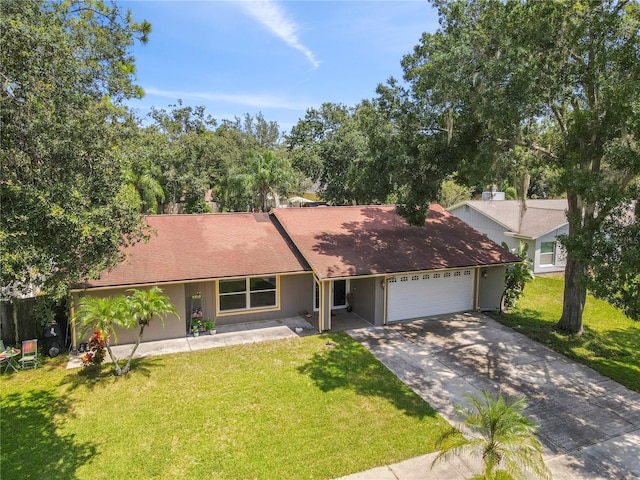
(53, 339)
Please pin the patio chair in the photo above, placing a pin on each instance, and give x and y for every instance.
(3, 358)
(29, 357)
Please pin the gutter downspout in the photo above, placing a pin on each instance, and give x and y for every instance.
(476, 288)
(321, 304)
(385, 300)
(330, 300)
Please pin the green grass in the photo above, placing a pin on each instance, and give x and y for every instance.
(610, 344)
(288, 409)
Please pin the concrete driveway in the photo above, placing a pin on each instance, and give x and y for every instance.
(589, 424)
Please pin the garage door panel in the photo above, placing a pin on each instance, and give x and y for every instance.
(413, 296)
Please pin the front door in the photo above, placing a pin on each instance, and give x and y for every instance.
(339, 294)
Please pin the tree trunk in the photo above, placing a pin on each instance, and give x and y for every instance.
(116, 367)
(126, 368)
(575, 294)
(581, 220)
(503, 301)
(264, 198)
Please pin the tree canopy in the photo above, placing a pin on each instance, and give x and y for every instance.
(335, 146)
(65, 72)
(555, 81)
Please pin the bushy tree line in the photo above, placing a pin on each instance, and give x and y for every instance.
(183, 156)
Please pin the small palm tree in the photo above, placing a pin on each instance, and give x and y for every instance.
(143, 305)
(500, 434)
(269, 174)
(104, 314)
(148, 189)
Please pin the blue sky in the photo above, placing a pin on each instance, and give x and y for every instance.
(275, 57)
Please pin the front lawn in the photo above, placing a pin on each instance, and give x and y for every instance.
(317, 407)
(610, 344)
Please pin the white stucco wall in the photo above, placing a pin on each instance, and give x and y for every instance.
(559, 257)
(483, 224)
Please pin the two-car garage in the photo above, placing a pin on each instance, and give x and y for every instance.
(433, 293)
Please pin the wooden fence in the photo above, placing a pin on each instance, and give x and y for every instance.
(17, 322)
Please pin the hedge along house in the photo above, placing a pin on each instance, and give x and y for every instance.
(238, 268)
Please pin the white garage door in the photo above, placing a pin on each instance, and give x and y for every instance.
(413, 296)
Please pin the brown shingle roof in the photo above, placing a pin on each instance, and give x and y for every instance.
(191, 247)
(373, 240)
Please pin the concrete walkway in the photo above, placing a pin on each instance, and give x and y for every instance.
(589, 424)
(225, 336)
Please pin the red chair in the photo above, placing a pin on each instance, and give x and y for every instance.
(29, 357)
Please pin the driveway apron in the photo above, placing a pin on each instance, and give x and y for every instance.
(589, 424)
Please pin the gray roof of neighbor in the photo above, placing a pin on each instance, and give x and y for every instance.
(539, 218)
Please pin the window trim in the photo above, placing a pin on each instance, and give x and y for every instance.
(316, 294)
(247, 293)
(545, 255)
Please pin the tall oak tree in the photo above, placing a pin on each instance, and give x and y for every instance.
(65, 72)
(557, 78)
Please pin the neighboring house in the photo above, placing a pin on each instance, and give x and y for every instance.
(539, 225)
(245, 267)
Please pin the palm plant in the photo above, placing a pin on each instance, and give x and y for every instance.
(147, 187)
(234, 190)
(500, 434)
(269, 174)
(143, 305)
(104, 315)
(516, 276)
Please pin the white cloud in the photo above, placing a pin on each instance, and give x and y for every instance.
(275, 18)
(255, 101)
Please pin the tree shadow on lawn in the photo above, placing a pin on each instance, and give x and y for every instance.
(90, 377)
(613, 353)
(32, 445)
(345, 364)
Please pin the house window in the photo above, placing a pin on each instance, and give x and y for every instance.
(393, 280)
(404, 279)
(436, 275)
(547, 253)
(415, 277)
(247, 293)
(425, 277)
(447, 274)
(467, 272)
(456, 274)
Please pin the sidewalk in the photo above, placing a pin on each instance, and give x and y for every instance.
(419, 468)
